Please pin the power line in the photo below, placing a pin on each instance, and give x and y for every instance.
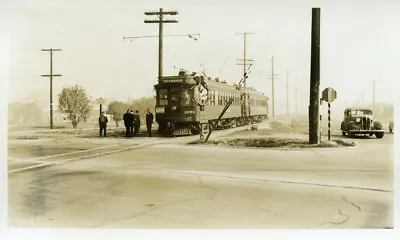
(194, 36)
(51, 75)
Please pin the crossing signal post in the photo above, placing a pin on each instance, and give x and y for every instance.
(329, 95)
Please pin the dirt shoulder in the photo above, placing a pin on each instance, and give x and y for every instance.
(275, 134)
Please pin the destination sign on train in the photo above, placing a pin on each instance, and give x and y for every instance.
(172, 80)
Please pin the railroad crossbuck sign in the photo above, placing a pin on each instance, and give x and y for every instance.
(329, 95)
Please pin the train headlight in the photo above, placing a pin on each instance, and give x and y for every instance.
(190, 111)
(173, 108)
(160, 110)
(358, 119)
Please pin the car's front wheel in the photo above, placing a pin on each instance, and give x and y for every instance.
(379, 134)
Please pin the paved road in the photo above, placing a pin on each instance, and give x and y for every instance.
(170, 185)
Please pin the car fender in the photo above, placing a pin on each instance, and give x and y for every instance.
(377, 125)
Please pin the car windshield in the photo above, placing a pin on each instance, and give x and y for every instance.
(361, 112)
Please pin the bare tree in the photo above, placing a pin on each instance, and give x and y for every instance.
(117, 109)
(74, 102)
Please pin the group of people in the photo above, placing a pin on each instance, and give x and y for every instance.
(132, 122)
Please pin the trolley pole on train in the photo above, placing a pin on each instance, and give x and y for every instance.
(160, 22)
(51, 75)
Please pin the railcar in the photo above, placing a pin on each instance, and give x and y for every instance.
(185, 101)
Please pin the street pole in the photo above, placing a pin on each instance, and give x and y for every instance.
(160, 22)
(287, 92)
(51, 75)
(362, 97)
(313, 110)
(295, 95)
(273, 88)
(245, 75)
(373, 97)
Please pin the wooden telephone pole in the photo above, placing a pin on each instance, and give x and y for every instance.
(273, 77)
(313, 109)
(245, 60)
(245, 74)
(160, 22)
(287, 92)
(373, 97)
(51, 75)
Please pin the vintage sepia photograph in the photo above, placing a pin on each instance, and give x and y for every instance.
(199, 115)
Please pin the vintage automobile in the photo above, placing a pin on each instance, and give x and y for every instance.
(391, 126)
(361, 121)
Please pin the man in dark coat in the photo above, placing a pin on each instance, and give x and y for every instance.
(149, 121)
(103, 120)
(136, 122)
(128, 122)
(131, 119)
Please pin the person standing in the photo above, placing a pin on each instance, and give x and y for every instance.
(136, 122)
(128, 122)
(103, 120)
(131, 120)
(149, 121)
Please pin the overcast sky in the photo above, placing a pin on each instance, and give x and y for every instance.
(359, 44)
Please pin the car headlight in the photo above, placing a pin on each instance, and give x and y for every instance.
(173, 108)
(358, 119)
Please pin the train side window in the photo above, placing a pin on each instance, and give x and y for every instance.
(224, 99)
(213, 98)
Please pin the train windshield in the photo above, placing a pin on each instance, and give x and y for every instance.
(163, 97)
(175, 96)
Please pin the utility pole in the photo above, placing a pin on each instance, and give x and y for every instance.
(287, 92)
(245, 74)
(362, 97)
(313, 110)
(160, 22)
(245, 60)
(51, 75)
(273, 77)
(373, 97)
(296, 90)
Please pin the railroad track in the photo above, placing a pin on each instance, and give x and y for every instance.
(16, 165)
(22, 165)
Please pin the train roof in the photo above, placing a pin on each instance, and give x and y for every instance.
(187, 77)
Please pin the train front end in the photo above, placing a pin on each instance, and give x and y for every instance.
(177, 110)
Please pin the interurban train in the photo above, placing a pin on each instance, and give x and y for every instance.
(185, 101)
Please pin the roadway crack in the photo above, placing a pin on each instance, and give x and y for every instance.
(216, 190)
(224, 202)
(151, 208)
(346, 218)
(344, 199)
